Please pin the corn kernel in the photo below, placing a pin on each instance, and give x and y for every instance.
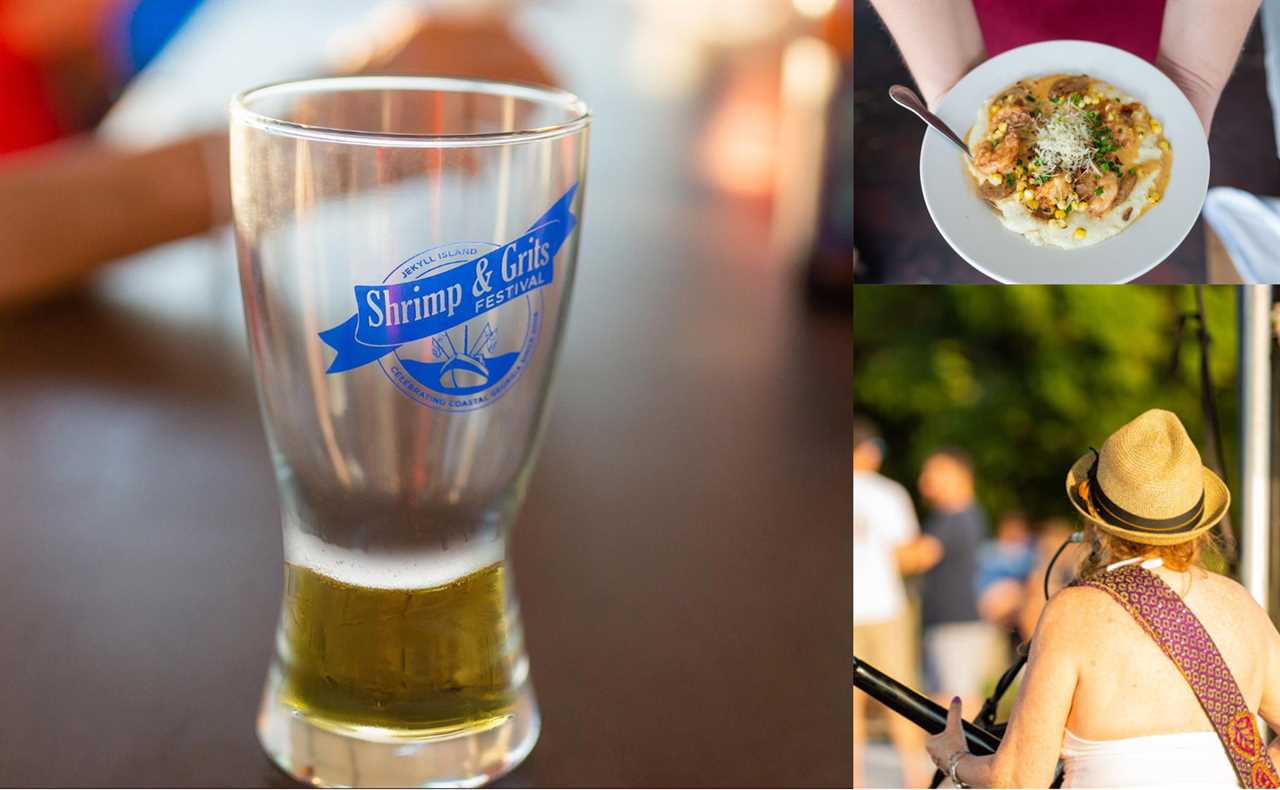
(1034, 206)
(1021, 185)
(1027, 194)
(1164, 145)
(1081, 233)
(1003, 127)
(1019, 170)
(1156, 127)
(1060, 214)
(995, 179)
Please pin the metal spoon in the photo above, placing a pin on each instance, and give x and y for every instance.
(911, 100)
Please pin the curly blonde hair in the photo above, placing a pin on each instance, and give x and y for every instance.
(1106, 548)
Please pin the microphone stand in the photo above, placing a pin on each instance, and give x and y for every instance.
(916, 708)
(986, 717)
(984, 734)
(929, 715)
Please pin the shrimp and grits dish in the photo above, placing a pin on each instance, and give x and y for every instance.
(1068, 161)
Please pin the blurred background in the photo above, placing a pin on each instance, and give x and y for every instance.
(695, 443)
(1026, 378)
(895, 237)
(970, 404)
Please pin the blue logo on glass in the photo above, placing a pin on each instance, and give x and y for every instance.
(453, 326)
(466, 367)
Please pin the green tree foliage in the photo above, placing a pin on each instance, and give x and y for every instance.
(1026, 378)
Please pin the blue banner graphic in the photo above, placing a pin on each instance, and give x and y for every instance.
(388, 316)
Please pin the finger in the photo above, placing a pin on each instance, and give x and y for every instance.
(953, 714)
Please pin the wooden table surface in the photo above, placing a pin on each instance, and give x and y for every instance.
(682, 557)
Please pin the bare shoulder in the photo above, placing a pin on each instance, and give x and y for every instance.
(1230, 593)
(1071, 612)
(1223, 584)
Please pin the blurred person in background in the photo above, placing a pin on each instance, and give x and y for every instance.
(1050, 536)
(1195, 42)
(70, 202)
(1003, 566)
(957, 642)
(885, 541)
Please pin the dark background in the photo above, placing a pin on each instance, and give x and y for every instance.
(895, 236)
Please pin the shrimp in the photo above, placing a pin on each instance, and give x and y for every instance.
(1127, 184)
(1017, 93)
(1015, 119)
(994, 192)
(994, 158)
(1101, 202)
(1086, 183)
(1121, 120)
(1069, 85)
(1054, 191)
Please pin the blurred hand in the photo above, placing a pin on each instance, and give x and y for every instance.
(463, 46)
(1000, 603)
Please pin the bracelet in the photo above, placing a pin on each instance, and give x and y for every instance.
(953, 762)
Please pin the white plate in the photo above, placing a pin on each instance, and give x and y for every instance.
(972, 228)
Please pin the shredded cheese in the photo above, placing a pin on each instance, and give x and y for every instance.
(1065, 141)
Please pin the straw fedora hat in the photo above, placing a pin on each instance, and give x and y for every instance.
(1147, 483)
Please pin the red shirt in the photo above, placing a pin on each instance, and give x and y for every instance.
(1132, 25)
(27, 117)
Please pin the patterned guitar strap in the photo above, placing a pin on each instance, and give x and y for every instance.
(1164, 616)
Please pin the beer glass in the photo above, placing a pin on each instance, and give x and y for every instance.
(407, 249)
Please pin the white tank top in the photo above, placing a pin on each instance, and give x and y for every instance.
(1184, 758)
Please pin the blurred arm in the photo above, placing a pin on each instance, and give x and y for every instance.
(67, 208)
(940, 40)
(1032, 601)
(479, 43)
(919, 555)
(1199, 46)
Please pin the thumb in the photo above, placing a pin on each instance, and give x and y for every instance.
(953, 714)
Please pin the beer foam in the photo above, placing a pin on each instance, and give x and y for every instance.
(400, 570)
